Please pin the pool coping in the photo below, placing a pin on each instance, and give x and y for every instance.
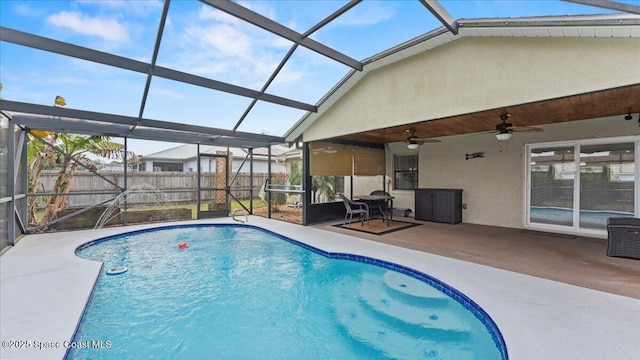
(44, 288)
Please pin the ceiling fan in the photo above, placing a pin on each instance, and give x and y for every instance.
(413, 141)
(505, 129)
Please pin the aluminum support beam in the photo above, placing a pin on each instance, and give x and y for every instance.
(105, 129)
(62, 48)
(251, 181)
(23, 186)
(19, 154)
(611, 5)
(266, 85)
(79, 52)
(332, 17)
(154, 57)
(198, 181)
(207, 130)
(262, 22)
(229, 88)
(125, 178)
(269, 182)
(441, 14)
(290, 53)
(11, 191)
(59, 113)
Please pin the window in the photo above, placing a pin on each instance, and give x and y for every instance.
(581, 184)
(552, 172)
(405, 172)
(167, 166)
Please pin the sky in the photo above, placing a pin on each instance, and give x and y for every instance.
(201, 40)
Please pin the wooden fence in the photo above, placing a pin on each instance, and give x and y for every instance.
(149, 187)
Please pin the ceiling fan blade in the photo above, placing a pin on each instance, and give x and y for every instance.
(525, 129)
(483, 133)
(427, 140)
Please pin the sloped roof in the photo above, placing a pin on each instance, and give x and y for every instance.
(600, 26)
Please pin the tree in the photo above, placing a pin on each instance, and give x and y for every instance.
(278, 198)
(76, 147)
(39, 155)
(295, 177)
(324, 185)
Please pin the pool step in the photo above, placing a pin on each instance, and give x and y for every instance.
(402, 318)
(363, 327)
(412, 291)
(420, 320)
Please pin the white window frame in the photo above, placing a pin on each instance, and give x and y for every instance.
(576, 144)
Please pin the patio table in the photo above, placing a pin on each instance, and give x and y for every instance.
(374, 198)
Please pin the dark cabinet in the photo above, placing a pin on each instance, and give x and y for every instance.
(439, 205)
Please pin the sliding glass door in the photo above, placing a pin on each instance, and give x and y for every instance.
(606, 183)
(552, 174)
(578, 185)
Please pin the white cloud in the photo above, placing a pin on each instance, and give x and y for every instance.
(166, 93)
(223, 38)
(366, 14)
(26, 10)
(218, 45)
(208, 13)
(138, 8)
(107, 29)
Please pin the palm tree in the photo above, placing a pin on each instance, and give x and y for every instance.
(324, 185)
(39, 155)
(76, 147)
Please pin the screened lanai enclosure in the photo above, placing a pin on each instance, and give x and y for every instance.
(124, 112)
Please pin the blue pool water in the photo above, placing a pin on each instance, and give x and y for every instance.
(241, 292)
(564, 216)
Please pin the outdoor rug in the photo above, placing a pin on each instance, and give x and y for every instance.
(378, 227)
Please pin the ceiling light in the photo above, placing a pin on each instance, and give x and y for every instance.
(412, 145)
(628, 116)
(503, 136)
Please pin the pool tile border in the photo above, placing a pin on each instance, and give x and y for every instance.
(450, 291)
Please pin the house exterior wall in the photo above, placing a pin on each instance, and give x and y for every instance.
(475, 74)
(494, 186)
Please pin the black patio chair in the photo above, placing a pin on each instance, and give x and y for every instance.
(355, 208)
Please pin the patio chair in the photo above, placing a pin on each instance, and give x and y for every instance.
(358, 208)
(624, 237)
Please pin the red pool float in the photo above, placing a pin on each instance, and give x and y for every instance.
(183, 245)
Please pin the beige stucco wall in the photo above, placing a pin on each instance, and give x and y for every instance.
(493, 186)
(474, 74)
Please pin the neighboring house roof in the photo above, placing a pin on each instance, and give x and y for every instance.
(292, 153)
(189, 151)
(587, 26)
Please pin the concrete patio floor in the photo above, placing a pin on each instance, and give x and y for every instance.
(44, 286)
(573, 260)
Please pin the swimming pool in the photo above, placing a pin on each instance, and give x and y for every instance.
(239, 291)
(564, 216)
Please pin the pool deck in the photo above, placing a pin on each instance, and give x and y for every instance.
(44, 288)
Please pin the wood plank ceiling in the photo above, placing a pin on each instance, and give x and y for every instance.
(609, 102)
